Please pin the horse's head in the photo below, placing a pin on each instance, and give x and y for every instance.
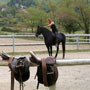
(38, 31)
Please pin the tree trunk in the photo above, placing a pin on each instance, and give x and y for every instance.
(32, 29)
(86, 30)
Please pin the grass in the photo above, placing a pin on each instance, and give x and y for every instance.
(33, 38)
(44, 52)
(5, 62)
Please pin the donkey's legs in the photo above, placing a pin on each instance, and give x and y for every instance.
(57, 51)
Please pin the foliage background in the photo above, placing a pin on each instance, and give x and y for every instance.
(23, 16)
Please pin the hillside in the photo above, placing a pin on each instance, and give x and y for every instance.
(4, 1)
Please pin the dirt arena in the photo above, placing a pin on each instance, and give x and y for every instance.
(70, 77)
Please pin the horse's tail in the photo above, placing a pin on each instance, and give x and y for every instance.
(63, 43)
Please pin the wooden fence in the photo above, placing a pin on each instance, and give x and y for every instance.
(70, 39)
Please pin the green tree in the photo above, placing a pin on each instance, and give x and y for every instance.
(26, 3)
(8, 11)
(32, 17)
(74, 14)
(67, 21)
(36, 17)
(83, 14)
(53, 7)
(65, 16)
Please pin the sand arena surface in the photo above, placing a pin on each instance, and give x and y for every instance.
(70, 77)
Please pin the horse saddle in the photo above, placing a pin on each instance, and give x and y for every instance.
(49, 60)
(59, 37)
(19, 65)
(47, 72)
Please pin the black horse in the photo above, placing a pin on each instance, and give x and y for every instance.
(50, 40)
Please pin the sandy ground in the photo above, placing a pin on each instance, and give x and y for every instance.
(73, 55)
(70, 77)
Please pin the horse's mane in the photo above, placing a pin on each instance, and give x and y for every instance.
(45, 29)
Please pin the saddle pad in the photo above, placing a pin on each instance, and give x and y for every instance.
(59, 37)
(50, 60)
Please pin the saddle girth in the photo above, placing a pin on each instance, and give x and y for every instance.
(44, 72)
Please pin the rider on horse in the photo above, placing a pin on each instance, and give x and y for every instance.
(53, 28)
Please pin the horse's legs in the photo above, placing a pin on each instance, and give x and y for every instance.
(50, 50)
(63, 48)
(57, 51)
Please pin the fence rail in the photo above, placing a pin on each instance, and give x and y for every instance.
(73, 62)
(70, 39)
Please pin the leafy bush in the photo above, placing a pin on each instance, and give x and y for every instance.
(6, 29)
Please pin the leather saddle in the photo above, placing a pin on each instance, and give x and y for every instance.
(19, 65)
(47, 72)
(49, 60)
(59, 37)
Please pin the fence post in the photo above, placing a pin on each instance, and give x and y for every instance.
(89, 39)
(77, 42)
(13, 43)
(53, 87)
